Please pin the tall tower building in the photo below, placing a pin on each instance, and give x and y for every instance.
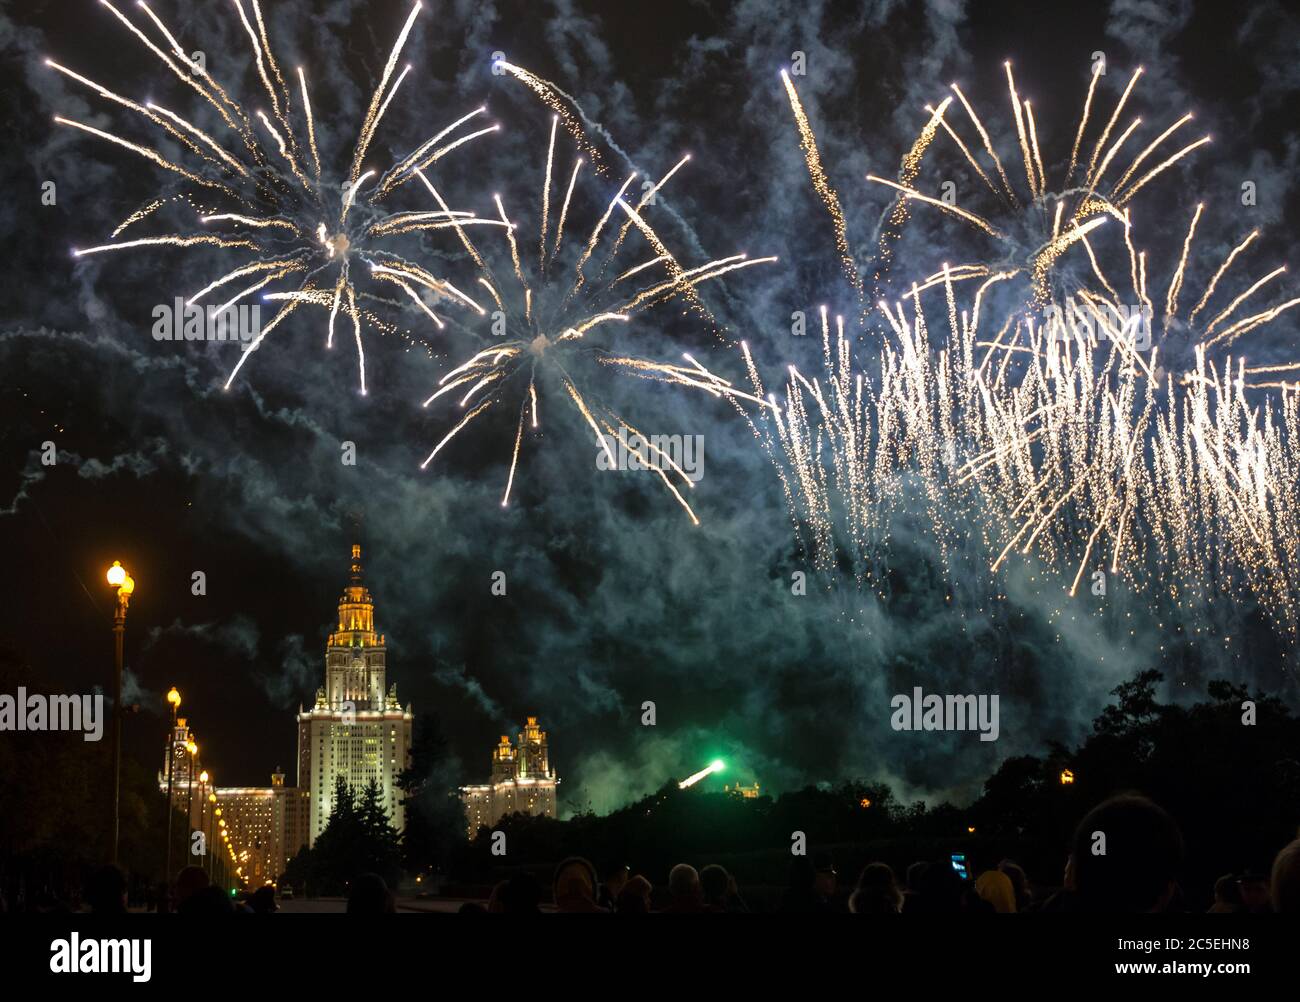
(357, 729)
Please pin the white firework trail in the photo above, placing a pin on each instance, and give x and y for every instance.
(1050, 427)
(558, 314)
(256, 185)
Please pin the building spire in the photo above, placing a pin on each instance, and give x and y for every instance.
(356, 565)
(356, 626)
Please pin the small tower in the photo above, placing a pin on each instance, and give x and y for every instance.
(533, 758)
(505, 761)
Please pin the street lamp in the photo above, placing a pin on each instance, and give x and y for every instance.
(173, 698)
(203, 810)
(125, 585)
(193, 748)
(212, 799)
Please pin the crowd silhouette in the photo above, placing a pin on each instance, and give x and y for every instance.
(1125, 857)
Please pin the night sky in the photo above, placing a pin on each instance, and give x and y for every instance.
(613, 597)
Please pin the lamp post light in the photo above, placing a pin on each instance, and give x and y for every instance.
(219, 864)
(212, 799)
(125, 585)
(174, 698)
(203, 811)
(193, 748)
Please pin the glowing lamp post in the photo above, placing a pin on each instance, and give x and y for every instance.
(193, 748)
(203, 810)
(212, 799)
(174, 700)
(125, 585)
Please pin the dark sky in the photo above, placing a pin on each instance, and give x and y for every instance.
(613, 597)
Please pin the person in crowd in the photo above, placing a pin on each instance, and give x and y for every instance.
(996, 888)
(494, 905)
(1285, 880)
(1136, 872)
(369, 895)
(912, 880)
(685, 890)
(106, 891)
(575, 886)
(803, 894)
(207, 900)
(1254, 885)
(634, 898)
(616, 876)
(1227, 895)
(877, 892)
(262, 901)
(827, 880)
(939, 890)
(720, 891)
(1019, 884)
(189, 882)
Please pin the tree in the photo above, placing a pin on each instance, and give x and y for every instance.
(381, 844)
(359, 837)
(435, 817)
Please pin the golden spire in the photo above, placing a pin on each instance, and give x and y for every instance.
(356, 610)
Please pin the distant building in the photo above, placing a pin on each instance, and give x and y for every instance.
(356, 729)
(748, 792)
(267, 826)
(522, 781)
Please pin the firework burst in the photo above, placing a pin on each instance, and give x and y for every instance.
(1058, 434)
(256, 185)
(553, 312)
(1036, 224)
(1049, 237)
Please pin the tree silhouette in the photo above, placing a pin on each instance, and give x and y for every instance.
(359, 837)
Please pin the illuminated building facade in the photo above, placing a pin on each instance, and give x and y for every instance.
(357, 729)
(522, 781)
(263, 826)
(746, 792)
(266, 827)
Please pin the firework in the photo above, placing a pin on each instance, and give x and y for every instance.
(256, 185)
(553, 311)
(1050, 431)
